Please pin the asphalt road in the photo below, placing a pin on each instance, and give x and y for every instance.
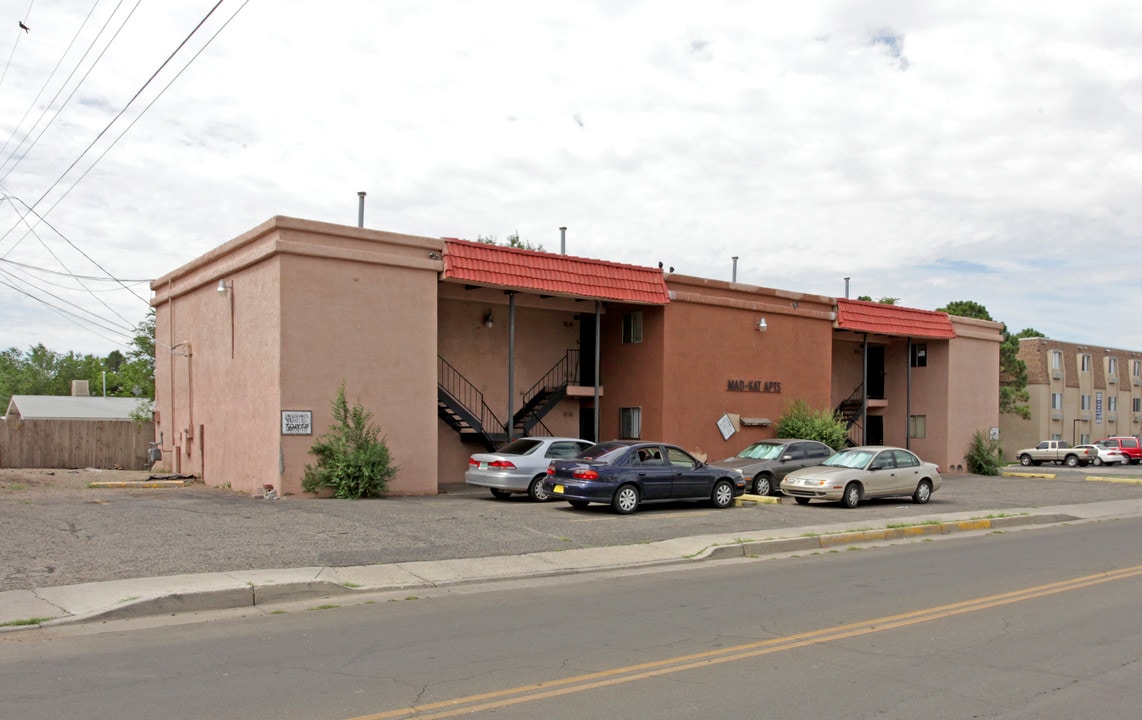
(1038, 623)
(110, 534)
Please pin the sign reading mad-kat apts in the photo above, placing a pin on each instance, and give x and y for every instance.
(762, 386)
(297, 422)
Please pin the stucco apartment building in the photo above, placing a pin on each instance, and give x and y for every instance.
(456, 345)
(1078, 393)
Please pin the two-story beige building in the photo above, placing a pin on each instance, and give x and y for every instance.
(1080, 393)
(456, 346)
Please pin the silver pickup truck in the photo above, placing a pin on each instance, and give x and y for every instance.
(1056, 451)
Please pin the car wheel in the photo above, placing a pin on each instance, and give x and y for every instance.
(851, 496)
(762, 485)
(500, 494)
(535, 490)
(1025, 460)
(923, 493)
(801, 500)
(579, 504)
(626, 500)
(1097, 462)
(1071, 461)
(723, 495)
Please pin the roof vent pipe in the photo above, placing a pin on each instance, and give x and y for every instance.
(846, 288)
(735, 275)
(361, 209)
(563, 240)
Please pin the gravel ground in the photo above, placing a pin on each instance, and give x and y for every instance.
(59, 531)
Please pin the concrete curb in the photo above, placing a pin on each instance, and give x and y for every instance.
(89, 602)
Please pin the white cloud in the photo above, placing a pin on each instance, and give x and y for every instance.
(931, 152)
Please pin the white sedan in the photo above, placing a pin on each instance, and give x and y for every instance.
(1107, 455)
(521, 465)
(858, 473)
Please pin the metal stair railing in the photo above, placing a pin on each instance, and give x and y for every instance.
(481, 418)
(545, 394)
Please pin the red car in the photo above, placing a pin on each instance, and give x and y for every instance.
(1128, 445)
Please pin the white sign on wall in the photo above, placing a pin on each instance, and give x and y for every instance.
(297, 422)
(726, 426)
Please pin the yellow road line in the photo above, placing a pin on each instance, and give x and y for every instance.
(642, 671)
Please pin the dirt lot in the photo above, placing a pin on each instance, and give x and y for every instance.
(29, 484)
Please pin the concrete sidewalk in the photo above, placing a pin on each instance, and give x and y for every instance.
(20, 609)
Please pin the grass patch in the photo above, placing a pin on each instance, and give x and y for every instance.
(324, 607)
(350, 585)
(26, 621)
(893, 526)
(130, 599)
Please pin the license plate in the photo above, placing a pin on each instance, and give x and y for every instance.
(483, 466)
(557, 488)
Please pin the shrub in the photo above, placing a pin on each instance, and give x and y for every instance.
(800, 421)
(985, 455)
(351, 458)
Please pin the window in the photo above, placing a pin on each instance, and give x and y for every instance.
(679, 458)
(1137, 404)
(1086, 363)
(920, 355)
(1057, 436)
(1056, 401)
(1084, 439)
(630, 423)
(1084, 402)
(1112, 403)
(918, 426)
(632, 327)
(1137, 368)
(1112, 366)
(1056, 360)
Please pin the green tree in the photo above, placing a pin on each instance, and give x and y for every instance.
(352, 458)
(800, 421)
(1013, 395)
(882, 301)
(513, 240)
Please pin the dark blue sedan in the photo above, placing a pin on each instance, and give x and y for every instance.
(625, 474)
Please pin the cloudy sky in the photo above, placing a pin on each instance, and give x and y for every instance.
(931, 151)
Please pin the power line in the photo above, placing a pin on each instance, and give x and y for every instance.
(74, 90)
(16, 44)
(97, 278)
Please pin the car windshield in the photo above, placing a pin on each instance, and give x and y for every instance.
(761, 451)
(849, 459)
(519, 447)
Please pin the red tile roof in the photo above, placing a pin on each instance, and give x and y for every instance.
(873, 317)
(548, 273)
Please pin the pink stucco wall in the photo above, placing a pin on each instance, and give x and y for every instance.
(308, 305)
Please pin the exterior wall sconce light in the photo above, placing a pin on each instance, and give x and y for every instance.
(223, 286)
(762, 326)
(488, 318)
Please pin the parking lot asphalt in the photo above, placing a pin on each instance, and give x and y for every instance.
(116, 535)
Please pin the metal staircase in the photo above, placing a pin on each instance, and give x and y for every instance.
(850, 412)
(545, 394)
(461, 405)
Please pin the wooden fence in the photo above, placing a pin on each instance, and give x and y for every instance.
(75, 444)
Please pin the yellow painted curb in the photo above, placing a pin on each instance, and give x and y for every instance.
(1049, 476)
(1129, 481)
(760, 499)
(139, 484)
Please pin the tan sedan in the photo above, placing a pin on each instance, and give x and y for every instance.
(855, 474)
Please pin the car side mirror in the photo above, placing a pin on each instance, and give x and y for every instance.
(786, 458)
